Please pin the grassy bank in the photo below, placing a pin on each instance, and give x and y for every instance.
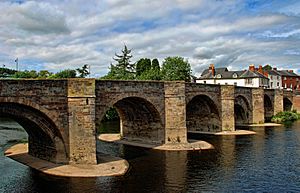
(286, 117)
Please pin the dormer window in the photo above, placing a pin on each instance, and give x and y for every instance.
(234, 75)
(219, 76)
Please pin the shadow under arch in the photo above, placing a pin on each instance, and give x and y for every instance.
(268, 107)
(287, 104)
(202, 114)
(44, 138)
(241, 110)
(139, 120)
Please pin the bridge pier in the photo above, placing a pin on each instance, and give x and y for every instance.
(258, 112)
(278, 101)
(175, 113)
(227, 108)
(81, 110)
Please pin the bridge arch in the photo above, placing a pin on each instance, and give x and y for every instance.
(268, 107)
(139, 119)
(202, 114)
(44, 138)
(287, 104)
(242, 110)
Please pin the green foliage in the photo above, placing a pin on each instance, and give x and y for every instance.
(111, 115)
(145, 70)
(26, 74)
(142, 66)
(6, 72)
(44, 74)
(65, 74)
(83, 71)
(286, 116)
(267, 67)
(155, 64)
(124, 69)
(176, 68)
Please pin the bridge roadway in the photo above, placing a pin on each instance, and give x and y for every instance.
(61, 116)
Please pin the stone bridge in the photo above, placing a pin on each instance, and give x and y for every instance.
(61, 116)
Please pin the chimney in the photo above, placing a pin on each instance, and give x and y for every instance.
(275, 69)
(212, 69)
(252, 67)
(260, 69)
(291, 70)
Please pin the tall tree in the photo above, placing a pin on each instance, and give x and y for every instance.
(142, 66)
(155, 64)
(124, 69)
(176, 68)
(267, 67)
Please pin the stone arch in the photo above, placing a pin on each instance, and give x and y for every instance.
(287, 104)
(242, 110)
(44, 138)
(202, 114)
(139, 120)
(268, 107)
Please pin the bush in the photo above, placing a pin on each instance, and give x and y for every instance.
(286, 116)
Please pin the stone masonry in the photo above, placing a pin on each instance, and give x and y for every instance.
(61, 116)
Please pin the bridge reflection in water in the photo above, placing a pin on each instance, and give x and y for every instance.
(61, 116)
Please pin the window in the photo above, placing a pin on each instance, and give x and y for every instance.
(234, 75)
(204, 81)
(271, 77)
(277, 83)
(284, 78)
(291, 78)
(219, 76)
(271, 84)
(249, 81)
(235, 83)
(285, 85)
(277, 77)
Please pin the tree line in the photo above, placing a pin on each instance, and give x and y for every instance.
(172, 68)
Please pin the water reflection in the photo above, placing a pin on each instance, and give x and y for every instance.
(266, 162)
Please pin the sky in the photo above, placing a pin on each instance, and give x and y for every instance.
(66, 34)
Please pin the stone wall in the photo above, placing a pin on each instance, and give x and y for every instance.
(40, 106)
(258, 105)
(81, 108)
(175, 112)
(296, 102)
(140, 105)
(227, 103)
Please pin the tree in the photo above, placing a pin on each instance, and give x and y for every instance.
(267, 67)
(65, 74)
(26, 74)
(176, 68)
(155, 64)
(83, 71)
(124, 69)
(142, 66)
(44, 74)
(6, 72)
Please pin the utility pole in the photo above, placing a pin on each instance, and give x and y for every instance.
(17, 64)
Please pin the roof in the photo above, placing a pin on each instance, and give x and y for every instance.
(287, 73)
(225, 74)
(217, 70)
(273, 72)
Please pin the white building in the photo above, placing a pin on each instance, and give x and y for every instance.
(275, 80)
(246, 78)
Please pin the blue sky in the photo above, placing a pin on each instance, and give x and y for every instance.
(56, 34)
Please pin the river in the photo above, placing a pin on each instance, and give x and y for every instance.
(266, 162)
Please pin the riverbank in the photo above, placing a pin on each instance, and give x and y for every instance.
(236, 132)
(109, 166)
(192, 145)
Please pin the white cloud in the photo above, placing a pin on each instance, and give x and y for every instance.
(60, 34)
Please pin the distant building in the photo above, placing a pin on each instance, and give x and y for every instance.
(290, 80)
(275, 80)
(247, 78)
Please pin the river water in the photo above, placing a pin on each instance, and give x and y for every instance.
(266, 162)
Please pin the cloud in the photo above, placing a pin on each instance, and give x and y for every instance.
(60, 34)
